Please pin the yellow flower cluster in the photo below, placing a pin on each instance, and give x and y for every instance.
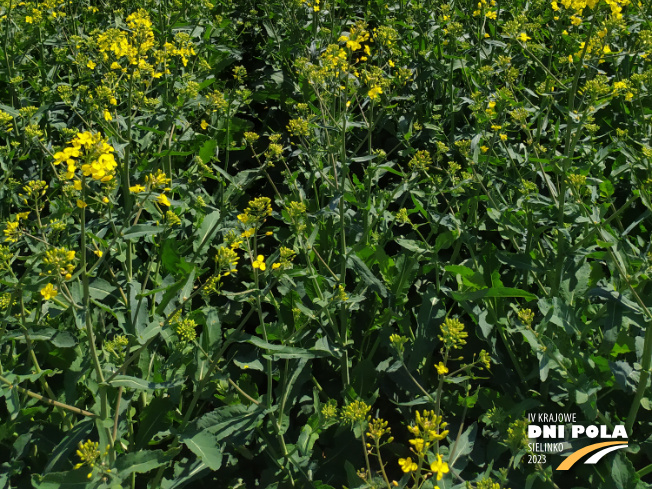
(526, 315)
(12, 229)
(453, 333)
(117, 346)
(355, 411)
(285, 260)
(256, 213)
(259, 263)
(88, 453)
(428, 429)
(484, 6)
(227, 261)
(356, 37)
(96, 154)
(421, 161)
(185, 328)
(49, 292)
(578, 6)
(60, 260)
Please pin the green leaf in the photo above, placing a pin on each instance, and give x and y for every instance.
(204, 445)
(367, 278)
(142, 384)
(207, 150)
(141, 462)
(206, 230)
(140, 230)
(622, 472)
(152, 420)
(232, 423)
(493, 292)
(99, 289)
(462, 447)
(185, 472)
(68, 445)
(186, 290)
(282, 351)
(73, 479)
(170, 257)
(63, 339)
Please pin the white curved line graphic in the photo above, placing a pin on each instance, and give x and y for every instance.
(601, 453)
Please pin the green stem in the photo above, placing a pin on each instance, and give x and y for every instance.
(364, 449)
(568, 151)
(343, 316)
(90, 336)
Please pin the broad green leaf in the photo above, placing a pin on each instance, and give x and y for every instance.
(99, 289)
(204, 445)
(232, 424)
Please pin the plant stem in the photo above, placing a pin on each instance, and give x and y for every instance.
(45, 399)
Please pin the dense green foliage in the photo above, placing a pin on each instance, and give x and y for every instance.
(303, 243)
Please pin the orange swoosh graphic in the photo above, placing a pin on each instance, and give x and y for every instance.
(575, 456)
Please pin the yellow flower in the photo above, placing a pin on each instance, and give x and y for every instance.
(107, 116)
(276, 266)
(523, 37)
(77, 184)
(91, 65)
(441, 368)
(48, 292)
(259, 263)
(204, 124)
(163, 200)
(12, 232)
(29, 19)
(374, 92)
(484, 148)
(439, 467)
(136, 189)
(98, 253)
(419, 444)
(407, 465)
(81, 204)
(503, 137)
